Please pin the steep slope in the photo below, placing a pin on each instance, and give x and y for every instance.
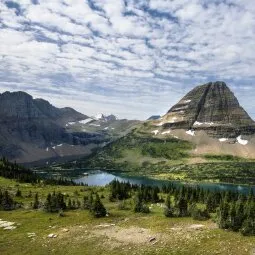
(28, 127)
(213, 108)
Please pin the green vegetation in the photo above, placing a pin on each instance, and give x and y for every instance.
(21, 174)
(168, 158)
(139, 153)
(224, 158)
(124, 231)
(171, 148)
(228, 172)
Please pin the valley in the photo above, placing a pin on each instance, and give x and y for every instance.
(182, 183)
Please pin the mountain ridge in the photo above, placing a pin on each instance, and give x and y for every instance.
(33, 129)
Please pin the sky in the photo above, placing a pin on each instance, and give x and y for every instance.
(132, 58)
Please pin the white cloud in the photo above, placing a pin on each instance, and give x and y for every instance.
(125, 56)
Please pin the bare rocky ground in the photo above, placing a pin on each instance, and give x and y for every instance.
(139, 240)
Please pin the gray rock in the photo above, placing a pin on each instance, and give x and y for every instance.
(213, 108)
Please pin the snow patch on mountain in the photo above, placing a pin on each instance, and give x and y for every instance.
(241, 141)
(99, 116)
(85, 121)
(95, 125)
(181, 108)
(70, 123)
(197, 123)
(190, 132)
(223, 139)
(155, 132)
(166, 132)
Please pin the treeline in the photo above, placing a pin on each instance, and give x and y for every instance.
(14, 171)
(58, 202)
(231, 210)
(55, 202)
(21, 174)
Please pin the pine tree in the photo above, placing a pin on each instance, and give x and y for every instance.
(55, 202)
(69, 204)
(168, 211)
(248, 227)
(36, 203)
(98, 210)
(6, 201)
(233, 217)
(90, 201)
(211, 203)
(223, 214)
(18, 193)
(182, 207)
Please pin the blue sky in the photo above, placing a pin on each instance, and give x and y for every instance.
(132, 58)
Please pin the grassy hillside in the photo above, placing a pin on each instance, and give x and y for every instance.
(139, 153)
(123, 232)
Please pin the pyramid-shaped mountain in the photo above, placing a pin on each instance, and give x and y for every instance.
(211, 107)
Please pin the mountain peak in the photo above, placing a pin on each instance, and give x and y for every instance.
(212, 106)
(105, 118)
(15, 94)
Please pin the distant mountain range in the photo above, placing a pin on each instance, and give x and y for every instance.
(33, 129)
(209, 117)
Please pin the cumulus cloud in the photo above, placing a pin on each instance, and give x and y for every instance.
(133, 58)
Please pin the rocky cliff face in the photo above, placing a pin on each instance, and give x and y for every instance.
(24, 120)
(211, 107)
(19, 106)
